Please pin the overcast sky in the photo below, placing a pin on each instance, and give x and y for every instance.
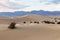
(29, 5)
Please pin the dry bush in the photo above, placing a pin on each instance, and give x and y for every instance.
(24, 22)
(58, 22)
(52, 22)
(12, 25)
(31, 22)
(48, 22)
(37, 22)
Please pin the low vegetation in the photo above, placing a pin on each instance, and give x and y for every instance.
(35, 22)
(48, 22)
(12, 25)
(58, 22)
(31, 22)
(52, 22)
(24, 22)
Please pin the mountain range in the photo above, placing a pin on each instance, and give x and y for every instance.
(21, 13)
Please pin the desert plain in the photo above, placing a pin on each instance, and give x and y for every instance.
(29, 31)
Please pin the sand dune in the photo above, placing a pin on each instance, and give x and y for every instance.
(32, 17)
(28, 18)
(29, 31)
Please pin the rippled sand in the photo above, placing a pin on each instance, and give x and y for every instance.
(30, 32)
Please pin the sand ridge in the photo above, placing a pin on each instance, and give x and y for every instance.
(29, 31)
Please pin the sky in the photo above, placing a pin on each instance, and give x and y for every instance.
(29, 5)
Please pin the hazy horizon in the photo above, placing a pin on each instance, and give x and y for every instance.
(22, 7)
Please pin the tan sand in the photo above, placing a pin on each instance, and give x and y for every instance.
(30, 32)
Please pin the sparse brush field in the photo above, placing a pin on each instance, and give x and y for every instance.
(30, 27)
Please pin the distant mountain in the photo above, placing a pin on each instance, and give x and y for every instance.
(21, 13)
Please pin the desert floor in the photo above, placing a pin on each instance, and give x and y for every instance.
(30, 32)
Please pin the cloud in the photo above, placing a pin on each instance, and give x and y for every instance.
(50, 1)
(56, 1)
(28, 5)
(13, 5)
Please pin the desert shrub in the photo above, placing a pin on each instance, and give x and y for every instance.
(12, 25)
(37, 22)
(48, 22)
(30, 22)
(52, 22)
(58, 22)
(24, 22)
